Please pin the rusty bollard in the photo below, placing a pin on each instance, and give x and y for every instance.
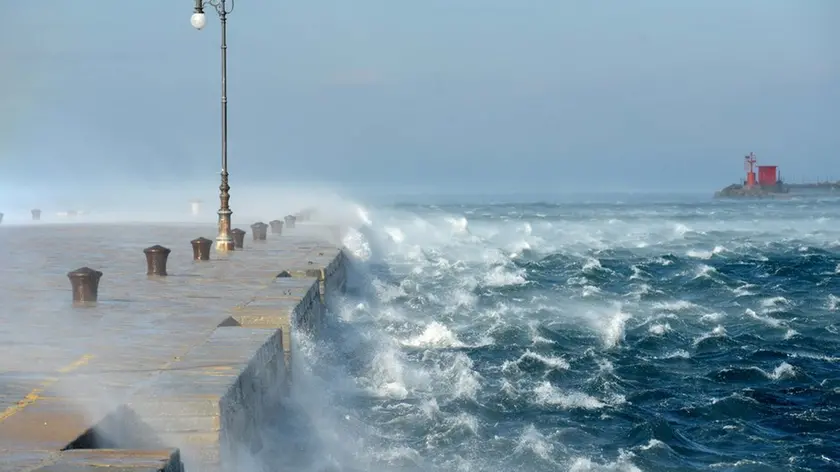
(36, 214)
(290, 221)
(276, 226)
(238, 238)
(85, 284)
(259, 229)
(156, 259)
(201, 249)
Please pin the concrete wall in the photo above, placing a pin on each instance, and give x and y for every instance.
(210, 402)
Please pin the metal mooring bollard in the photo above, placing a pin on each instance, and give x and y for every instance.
(276, 226)
(201, 249)
(290, 221)
(85, 284)
(238, 238)
(156, 259)
(36, 214)
(259, 229)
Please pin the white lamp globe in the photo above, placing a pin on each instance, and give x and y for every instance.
(198, 20)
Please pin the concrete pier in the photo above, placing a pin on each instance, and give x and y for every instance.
(159, 374)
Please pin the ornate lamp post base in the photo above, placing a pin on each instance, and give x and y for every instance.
(224, 241)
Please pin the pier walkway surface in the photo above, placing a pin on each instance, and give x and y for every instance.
(162, 370)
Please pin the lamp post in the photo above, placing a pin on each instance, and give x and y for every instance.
(224, 241)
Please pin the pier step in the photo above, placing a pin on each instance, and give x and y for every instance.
(102, 460)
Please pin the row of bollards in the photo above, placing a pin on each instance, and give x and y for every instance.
(36, 215)
(85, 281)
(157, 255)
(276, 225)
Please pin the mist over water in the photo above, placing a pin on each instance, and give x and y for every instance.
(691, 335)
(127, 202)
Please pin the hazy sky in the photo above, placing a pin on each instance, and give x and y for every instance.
(440, 94)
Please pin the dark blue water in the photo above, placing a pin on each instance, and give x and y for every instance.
(622, 336)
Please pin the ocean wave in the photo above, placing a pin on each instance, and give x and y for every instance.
(614, 337)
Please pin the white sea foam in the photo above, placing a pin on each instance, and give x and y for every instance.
(467, 311)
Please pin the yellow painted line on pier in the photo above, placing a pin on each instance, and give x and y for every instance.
(35, 395)
(75, 365)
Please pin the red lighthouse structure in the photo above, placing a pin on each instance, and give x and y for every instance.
(767, 175)
(762, 181)
(749, 166)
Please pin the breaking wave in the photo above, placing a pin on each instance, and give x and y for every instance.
(623, 337)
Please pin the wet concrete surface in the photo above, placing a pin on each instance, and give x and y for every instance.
(63, 367)
(115, 461)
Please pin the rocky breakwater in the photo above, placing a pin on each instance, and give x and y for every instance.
(187, 361)
(741, 191)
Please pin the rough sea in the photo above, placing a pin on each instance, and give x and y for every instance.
(626, 335)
